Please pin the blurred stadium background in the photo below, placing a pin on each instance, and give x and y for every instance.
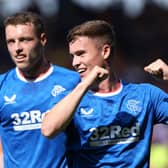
(142, 36)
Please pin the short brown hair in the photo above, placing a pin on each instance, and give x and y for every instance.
(24, 18)
(94, 28)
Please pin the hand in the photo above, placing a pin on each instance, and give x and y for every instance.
(97, 74)
(158, 69)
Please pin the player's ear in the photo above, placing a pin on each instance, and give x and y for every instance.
(43, 39)
(106, 51)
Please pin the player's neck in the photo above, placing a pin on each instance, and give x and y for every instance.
(35, 72)
(108, 85)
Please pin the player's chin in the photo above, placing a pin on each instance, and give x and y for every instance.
(83, 74)
(22, 66)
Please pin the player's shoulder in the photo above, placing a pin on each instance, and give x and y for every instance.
(62, 72)
(65, 70)
(140, 86)
(6, 77)
(7, 74)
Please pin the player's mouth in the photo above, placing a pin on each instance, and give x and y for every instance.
(20, 58)
(81, 70)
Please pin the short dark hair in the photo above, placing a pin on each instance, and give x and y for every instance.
(93, 29)
(24, 18)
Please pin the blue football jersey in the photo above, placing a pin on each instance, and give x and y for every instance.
(22, 107)
(114, 130)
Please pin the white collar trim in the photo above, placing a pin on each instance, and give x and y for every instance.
(45, 75)
(110, 93)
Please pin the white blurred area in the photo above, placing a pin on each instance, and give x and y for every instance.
(1, 161)
(46, 7)
(131, 8)
(1, 156)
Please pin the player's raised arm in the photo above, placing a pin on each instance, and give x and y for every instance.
(61, 114)
(158, 68)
